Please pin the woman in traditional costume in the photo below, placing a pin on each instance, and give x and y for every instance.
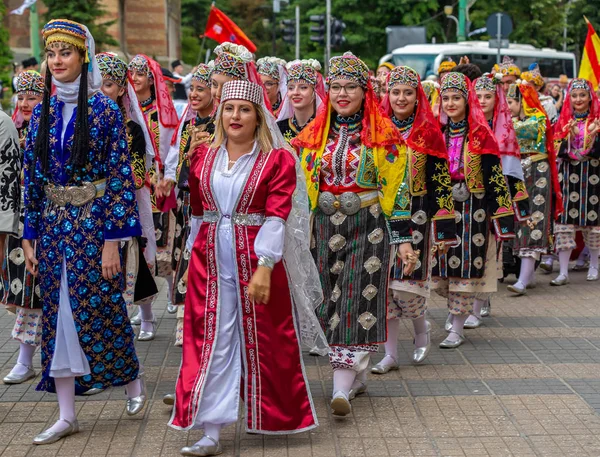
(482, 205)
(273, 75)
(140, 252)
(427, 202)
(492, 99)
(350, 154)
(79, 205)
(154, 99)
(197, 116)
(576, 140)
(305, 93)
(252, 283)
(21, 294)
(534, 134)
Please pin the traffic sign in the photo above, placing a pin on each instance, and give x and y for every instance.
(499, 24)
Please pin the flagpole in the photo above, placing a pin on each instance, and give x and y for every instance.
(202, 44)
(34, 32)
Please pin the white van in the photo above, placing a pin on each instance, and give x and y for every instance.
(426, 58)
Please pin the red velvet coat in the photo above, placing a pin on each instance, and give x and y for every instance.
(274, 386)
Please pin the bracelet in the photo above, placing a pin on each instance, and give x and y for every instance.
(264, 261)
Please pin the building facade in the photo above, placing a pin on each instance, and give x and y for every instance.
(152, 27)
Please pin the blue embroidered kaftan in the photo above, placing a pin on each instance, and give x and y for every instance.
(77, 235)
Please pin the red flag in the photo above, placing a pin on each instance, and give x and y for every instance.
(220, 28)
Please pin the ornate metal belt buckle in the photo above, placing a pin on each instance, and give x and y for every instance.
(526, 165)
(460, 192)
(327, 203)
(80, 195)
(349, 203)
(57, 195)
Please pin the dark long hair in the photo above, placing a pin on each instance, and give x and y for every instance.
(81, 139)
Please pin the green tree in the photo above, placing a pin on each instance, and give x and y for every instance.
(85, 12)
(5, 53)
(577, 27)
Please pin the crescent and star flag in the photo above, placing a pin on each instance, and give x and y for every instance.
(590, 61)
(220, 28)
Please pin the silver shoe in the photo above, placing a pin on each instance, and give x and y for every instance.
(171, 308)
(169, 399)
(381, 368)
(420, 354)
(361, 388)
(581, 267)
(448, 324)
(473, 322)
(47, 437)
(449, 344)
(546, 267)
(486, 309)
(147, 336)
(92, 391)
(517, 290)
(136, 320)
(136, 404)
(340, 404)
(203, 450)
(560, 280)
(315, 351)
(592, 276)
(11, 378)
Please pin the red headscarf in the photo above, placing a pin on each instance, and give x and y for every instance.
(425, 135)
(481, 137)
(532, 100)
(566, 114)
(504, 129)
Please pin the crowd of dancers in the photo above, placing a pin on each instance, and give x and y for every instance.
(283, 209)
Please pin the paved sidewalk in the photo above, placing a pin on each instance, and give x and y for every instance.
(525, 384)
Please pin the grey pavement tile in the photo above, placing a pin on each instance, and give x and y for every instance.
(528, 387)
(497, 351)
(436, 388)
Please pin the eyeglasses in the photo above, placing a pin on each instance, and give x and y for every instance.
(349, 88)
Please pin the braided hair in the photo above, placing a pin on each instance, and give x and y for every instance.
(81, 141)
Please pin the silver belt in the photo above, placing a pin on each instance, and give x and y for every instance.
(75, 195)
(254, 219)
(348, 203)
(460, 192)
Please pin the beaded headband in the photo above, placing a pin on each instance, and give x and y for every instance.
(405, 76)
(269, 66)
(580, 83)
(508, 67)
(350, 67)
(485, 83)
(242, 90)
(65, 31)
(112, 68)
(446, 66)
(30, 82)
(303, 70)
(202, 74)
(455, 82)
(533, 75)
(139, 64)
(231, 60)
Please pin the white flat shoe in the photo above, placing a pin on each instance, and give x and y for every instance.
(340, 404)
(516, 289)
(486, 309)
(592, 274)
